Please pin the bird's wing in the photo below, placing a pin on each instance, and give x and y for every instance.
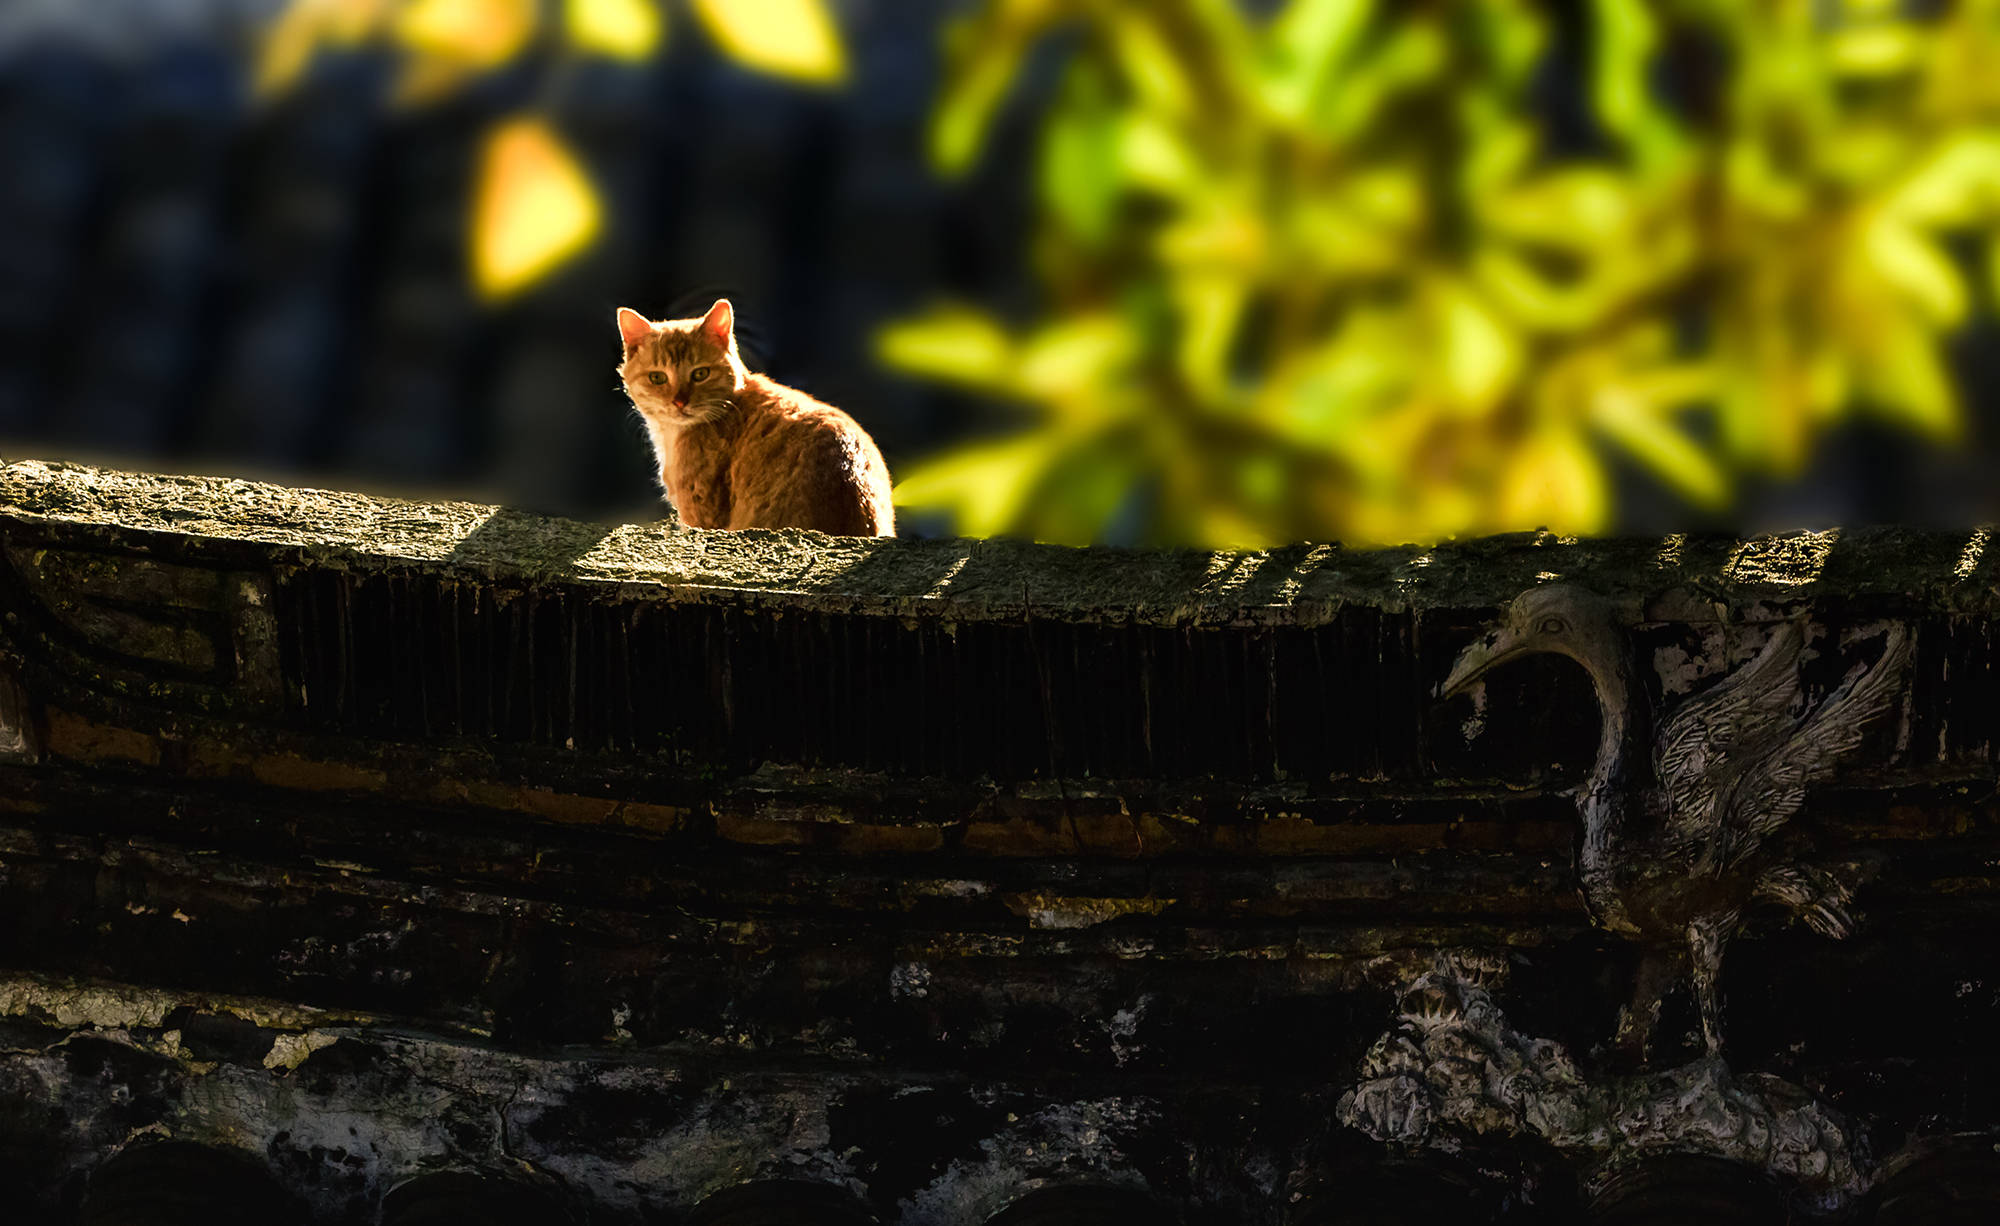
(1769, 792)
(1705, 742)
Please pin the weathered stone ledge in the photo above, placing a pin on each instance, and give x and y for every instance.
(961, 580)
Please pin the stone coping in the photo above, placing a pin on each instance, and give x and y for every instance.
(1304, 584)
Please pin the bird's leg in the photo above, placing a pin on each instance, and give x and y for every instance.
(1708, 935)
(1657, 968)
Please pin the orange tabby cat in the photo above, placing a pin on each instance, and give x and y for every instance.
(738, 450)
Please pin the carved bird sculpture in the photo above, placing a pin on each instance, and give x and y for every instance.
(1674, 842)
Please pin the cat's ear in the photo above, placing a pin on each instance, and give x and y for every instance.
(720, 322)
(633, 326)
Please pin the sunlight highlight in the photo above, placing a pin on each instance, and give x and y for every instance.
(1968, 560)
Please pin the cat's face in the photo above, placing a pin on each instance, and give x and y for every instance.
(681, 371)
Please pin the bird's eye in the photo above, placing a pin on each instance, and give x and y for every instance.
(1552, 625)
(700, 373)
(658, 376)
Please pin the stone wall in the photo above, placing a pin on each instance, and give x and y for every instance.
(658, 873)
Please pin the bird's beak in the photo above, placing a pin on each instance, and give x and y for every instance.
(1472, 663)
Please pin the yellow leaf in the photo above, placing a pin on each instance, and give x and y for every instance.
(297, 34)
(533, 208)
(288, 47)
(620, 29)
(791, 38)
(479, 34)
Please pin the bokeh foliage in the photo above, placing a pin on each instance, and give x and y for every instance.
(534, 205)
(1363, 270)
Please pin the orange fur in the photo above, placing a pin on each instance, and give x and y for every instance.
(738, 450)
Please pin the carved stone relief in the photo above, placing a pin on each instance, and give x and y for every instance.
(1677, 843)
(1453, 1067)
(1678, 825)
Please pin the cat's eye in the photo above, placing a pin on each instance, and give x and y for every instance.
(658, 376)
(700, 373)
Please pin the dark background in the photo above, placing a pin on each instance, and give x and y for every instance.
(192, 280)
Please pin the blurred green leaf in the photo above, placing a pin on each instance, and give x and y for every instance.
(1080, 180)
(1158, 78)
(1152, 154)
(959, 123)
(1513, 34)
(1875, 50)
(1083, 489)
(1304, 51)
(983, 54)
(1069, 358)
(1651, 438)
(1622, 81)
(1335, 270)
(1915, 266)
(1210, 308)
(1410, 58)
(1482, 356)
(954, 344)
(1556, 480)
(1905, 376)
(986, 485)
(1958, 185)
